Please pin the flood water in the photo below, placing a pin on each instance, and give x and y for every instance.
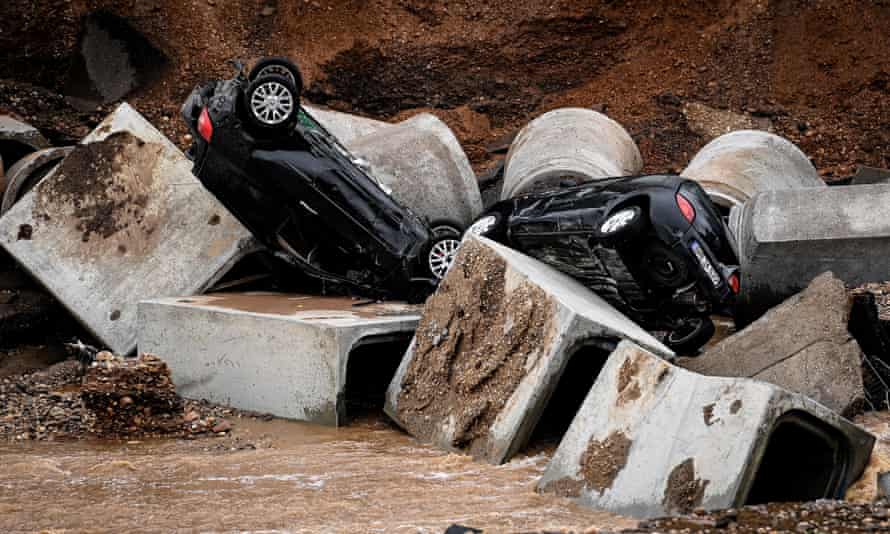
(368, 477)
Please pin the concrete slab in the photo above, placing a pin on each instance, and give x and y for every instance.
(735, 166)
(286, 355)
(491, 347)
(787, 238)
(652, 439)
(422, 163)
(569, 144)
(802, 345)
(122, 219)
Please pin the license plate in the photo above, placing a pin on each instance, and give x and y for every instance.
(705, 264)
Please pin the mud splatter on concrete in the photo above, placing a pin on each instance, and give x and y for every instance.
(103, 187)
(26, 232)
(565, 487)
(603, 460)
(628, 388)
(684, 492)
(708, 412)
(735, 406)
(474, 344)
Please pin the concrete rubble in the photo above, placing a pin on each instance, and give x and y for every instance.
(652, 439)
(28, 171)
(422, 163)
(802, 345)
(735, 166)
(491, 347)
(17, 139)
(568, 145)
(212, 344)
(788, 237)
(137, 225)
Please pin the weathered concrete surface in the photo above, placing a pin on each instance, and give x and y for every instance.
(572, 144)
(123, 221)
(735, 166)
(786, 238)
(801, 345)
(422, 163)
(28, 171)
(491, 347)
(652, 439)
(285, 355)
(870, 175)
(344, 126)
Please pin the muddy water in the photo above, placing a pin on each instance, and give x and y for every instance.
(368, 477)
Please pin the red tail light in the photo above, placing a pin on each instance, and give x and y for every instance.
(686, 208)
(734, 283)
(205, 127)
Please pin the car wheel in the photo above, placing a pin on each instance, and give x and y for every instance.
(277, 66)
(621, 224)
(690, 337)
(271, 103)
(664, 267)
(442, 250)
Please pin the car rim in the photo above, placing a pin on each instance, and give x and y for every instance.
(272, 103)
(482, 226)
(618, 221)
(279, 70)
(442, 255)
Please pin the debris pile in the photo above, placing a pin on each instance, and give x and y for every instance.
(131, 396)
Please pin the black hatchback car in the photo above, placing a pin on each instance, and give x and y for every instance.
(653, 246)
(299, 191)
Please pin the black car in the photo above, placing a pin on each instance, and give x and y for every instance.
(655, 247)
(300, 192)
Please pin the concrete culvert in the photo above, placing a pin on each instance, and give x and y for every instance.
(733, 167)
(570, 144)
(113, 58)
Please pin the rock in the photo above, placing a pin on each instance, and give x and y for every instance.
(222, 426)
(801, 345)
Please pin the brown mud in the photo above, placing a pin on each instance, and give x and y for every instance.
(603, 460)
(684, 492)
(476, 341)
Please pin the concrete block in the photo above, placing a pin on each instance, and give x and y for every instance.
(787, 238)
(652, 439)
(344, 126)
(122, 219)
(422, 163)
(735, 166)
(574, 144)
(802, 345)
(491, 347)
(286, 355)
(17, 139)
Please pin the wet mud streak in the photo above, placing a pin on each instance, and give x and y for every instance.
(565, 487)
(708, 414)
(684, 492)
(628, 387)
(104, 186)
(475, 343)
(603, 460)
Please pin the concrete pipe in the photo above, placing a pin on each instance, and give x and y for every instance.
(344, 126)
(28, 171)
(423, 164)
(735, 166)
(579, 145)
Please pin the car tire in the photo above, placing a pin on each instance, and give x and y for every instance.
(277, 66)
(688, 339)
(621, 225)
(271, 103)
(663, 267)
(444, 242)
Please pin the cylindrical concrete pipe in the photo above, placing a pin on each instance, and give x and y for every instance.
(423, 164)
(575, 144)
(344, 126)
(734, 166)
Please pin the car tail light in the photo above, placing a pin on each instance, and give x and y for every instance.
(205, 127)
(686, 207)
(734, 283)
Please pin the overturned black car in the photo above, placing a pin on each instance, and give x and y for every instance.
(653, 246)
(301, 193)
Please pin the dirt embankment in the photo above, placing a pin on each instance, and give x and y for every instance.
(818, 71)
